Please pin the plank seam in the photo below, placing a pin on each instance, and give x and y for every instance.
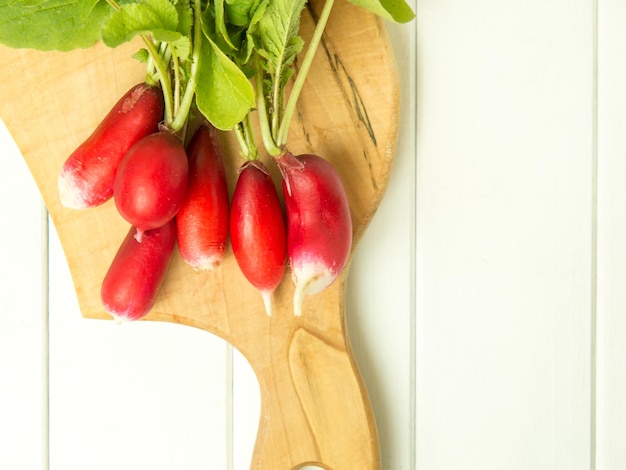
(594, 237)
(413, 267)
(45, 313)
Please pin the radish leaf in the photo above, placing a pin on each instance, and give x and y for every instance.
(240, 12)
(156, 17)
(142, 55)
(278, 37)
(392, 10)
(48, 25)
(220, 23)
(223, 93)
(278, 44)
(185, 17)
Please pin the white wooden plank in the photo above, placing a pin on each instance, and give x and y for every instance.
(504, 234)
(611, 324)
(246, 411)
(23, 364)
(142, 395)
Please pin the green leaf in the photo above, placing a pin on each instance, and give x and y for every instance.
(238, 11)
(84, 5)
(243, 12)
(258, 12)
(393, 10)
(185, 17)
(220, 23)
(158, 18)
(183, 48)
(52, 24)
(278, 39)
(223, 93)
(142, 55)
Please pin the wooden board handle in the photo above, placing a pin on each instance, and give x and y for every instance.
(314, 386)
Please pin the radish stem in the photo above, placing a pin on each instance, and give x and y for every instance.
(266, 131)
(190, 87)
(245, 138)
(177, 102)
(161, 68)
(283, 130)
(177, 79)
(164, 78)
(242, 139)
(253, 152)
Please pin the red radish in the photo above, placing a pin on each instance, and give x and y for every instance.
(87, 177)
(319, 226)
(151, 181)
(134, 278)
(202, 221)
(257, 230)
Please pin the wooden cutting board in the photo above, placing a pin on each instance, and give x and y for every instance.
(315, 407)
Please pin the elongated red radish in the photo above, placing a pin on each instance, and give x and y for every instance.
(151, 181)
(202, 221)
(257, 230)
(131, 285)
(319, 226)
(87, 176)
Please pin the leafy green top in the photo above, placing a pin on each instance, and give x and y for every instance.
(202, 52)
(51, 24)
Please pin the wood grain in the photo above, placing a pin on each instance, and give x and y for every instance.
(315, 407)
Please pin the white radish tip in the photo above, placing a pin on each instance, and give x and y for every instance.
(310, 278)
(139, 235)
(120, 320)
(298, 299)
(267, 301)
(70, 192)
(122, 317)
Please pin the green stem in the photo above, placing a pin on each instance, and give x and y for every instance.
(242, 139)
(151, 78)
(283, 130)
(253, 151)
(266, 131)
(159, 65)
(177, 82)
(114, 4)
(151, 74)
(245, 137)
(190, 88)
(277, 110)
(164, 77)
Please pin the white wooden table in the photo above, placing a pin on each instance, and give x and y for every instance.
(487, 300)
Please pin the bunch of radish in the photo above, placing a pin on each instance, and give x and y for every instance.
(223, 63)
(146, 170)
(171, 194)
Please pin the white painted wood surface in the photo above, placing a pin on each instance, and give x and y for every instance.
(505, 234)
(611, 307)
(486, 300)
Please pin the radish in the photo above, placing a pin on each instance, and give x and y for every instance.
(151, 181)
(131, 284)
(87, 176)
(202, 221)
(257, 230)
(319, 225)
